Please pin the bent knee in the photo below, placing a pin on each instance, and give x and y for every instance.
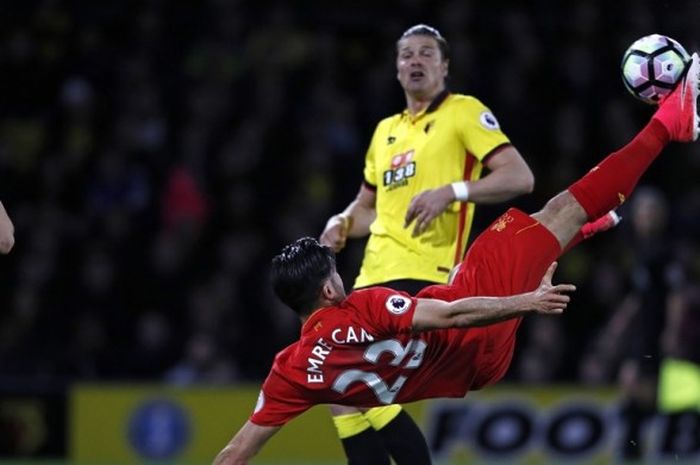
(563, 216)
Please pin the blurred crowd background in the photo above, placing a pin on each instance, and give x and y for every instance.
(155, 155)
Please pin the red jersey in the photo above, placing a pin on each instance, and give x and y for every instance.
(363, 353)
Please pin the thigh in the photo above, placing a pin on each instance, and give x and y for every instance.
(509, 257)
(343, 410)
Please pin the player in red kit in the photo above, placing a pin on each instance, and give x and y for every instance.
(349, 352)
(378, 346)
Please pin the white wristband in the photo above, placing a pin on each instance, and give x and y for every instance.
(461, 190)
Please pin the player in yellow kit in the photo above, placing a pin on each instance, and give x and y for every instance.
(422, 179)
(449, 141)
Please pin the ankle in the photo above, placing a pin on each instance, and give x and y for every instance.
(658, 129)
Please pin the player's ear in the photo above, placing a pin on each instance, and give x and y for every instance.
(328, 291)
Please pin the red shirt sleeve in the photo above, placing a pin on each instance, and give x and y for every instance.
(446, 292)
(279, 402)
(386, 311)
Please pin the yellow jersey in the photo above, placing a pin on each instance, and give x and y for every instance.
(447, 142)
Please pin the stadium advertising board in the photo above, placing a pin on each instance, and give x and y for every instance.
(132, 424)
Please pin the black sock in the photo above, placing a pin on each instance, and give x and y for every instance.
(366, 448)
(405, 441)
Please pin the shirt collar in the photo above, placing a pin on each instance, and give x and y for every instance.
(434, 105)
(437, 101)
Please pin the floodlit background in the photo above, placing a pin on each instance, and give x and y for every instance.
(154, 155)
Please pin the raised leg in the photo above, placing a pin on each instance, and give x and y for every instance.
(612, 181)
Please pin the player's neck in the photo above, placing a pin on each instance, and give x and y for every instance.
(416, 103)
(416, 106)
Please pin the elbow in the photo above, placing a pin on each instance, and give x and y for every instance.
(6, 244)
(463, 323)
(516, 180)
(527, 182)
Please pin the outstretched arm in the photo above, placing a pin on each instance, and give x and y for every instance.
(354, 221)
(245, 444)
(7, 231)
(481, 311)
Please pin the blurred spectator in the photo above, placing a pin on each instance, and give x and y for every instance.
(630, 343)
(679, 383)
(203, 363)
(183, 202)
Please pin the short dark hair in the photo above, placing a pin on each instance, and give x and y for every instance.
(425, 30)
(298, 273)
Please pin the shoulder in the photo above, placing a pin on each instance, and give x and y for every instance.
(283, 356)
(467, 108)
(388, 122)
(393, 301)
(468, 102)
(282, 371)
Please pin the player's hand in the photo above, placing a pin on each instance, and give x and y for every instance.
(549, 299)
(335, 234)
(425, 206)
(7, 232)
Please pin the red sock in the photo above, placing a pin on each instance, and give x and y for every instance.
(610, 183)
(587, 230)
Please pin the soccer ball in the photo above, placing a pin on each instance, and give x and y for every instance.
(652, 65)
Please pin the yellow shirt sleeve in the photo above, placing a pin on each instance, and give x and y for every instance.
(479, 129)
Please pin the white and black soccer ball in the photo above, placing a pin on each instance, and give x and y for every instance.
(652, 66)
